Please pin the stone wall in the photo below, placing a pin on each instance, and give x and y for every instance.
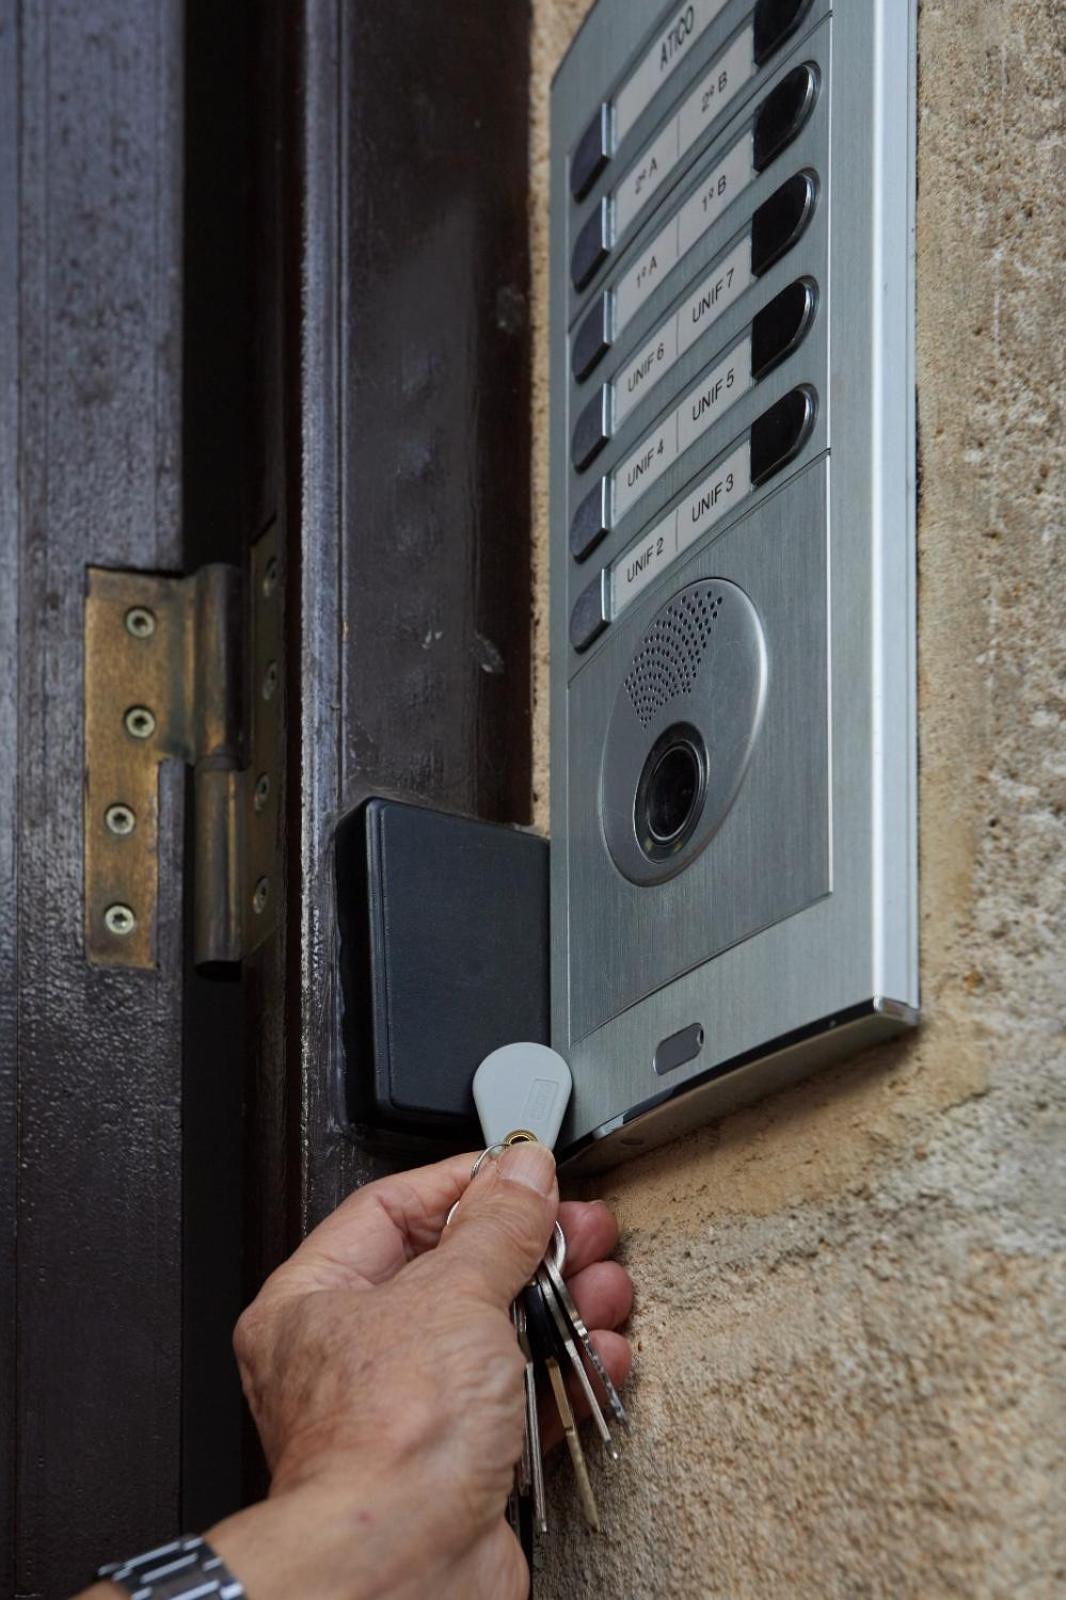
(850, 1375)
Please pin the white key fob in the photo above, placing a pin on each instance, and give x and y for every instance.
(522, 1088)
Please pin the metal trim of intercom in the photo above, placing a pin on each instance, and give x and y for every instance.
(736, 1083)
(837, 972)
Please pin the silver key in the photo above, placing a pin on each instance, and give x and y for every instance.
(576, 1321)
(562, 1324)
(524, 1466)
(531, 1451)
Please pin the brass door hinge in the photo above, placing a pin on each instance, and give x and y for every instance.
(186, 669)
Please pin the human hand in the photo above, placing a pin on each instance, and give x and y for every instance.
(382, 1370)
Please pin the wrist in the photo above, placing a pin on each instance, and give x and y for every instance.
(333, 1540)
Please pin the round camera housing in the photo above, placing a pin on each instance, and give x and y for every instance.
(684, 723)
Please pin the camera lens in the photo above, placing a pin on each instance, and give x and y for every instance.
(670, 792)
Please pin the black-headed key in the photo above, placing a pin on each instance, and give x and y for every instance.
(546, 1347)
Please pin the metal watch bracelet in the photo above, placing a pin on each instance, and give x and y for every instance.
(186, 1569)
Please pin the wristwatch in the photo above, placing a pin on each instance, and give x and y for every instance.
(187, 1569)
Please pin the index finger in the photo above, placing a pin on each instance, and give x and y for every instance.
(591, 1230)
(379, 1228)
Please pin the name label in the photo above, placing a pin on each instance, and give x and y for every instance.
(721, 83)
(654, 551)
(700, 211)
(686, 26)
(699, 410)
(720, 289)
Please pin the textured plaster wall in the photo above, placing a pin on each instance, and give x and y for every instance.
(850, 1375)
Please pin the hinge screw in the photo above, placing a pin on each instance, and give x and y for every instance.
(262, 791)
(259, 896)
(140, 722)
(270, 577)
(270, 680)
(119, 919)
(120, 819)
(140, 622)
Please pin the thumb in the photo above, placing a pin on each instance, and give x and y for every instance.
(501, 1230)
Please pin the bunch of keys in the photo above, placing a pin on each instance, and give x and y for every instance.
(521, 1092)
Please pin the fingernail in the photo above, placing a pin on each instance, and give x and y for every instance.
(530, 1164)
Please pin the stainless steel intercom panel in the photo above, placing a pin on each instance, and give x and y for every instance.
(733, 672)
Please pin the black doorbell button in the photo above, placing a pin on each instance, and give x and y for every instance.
(780, 221)
(593, 246)
(774, 21)
(591, 153)
(591, 431)
(671, 792)
(783, 113)
(779, 435)
(781, 326)
(592, 340)
(591, 522)
(589, 616)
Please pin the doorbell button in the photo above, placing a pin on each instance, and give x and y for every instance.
(589, 616)
(592, 430)
(774, 22)
(591, 153)
(782, 325)
(780, 221)
(779, 435)
(592, 340)
(783, 113)
(592, 521)
(592, 248)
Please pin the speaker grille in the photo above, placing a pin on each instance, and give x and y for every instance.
(670, 655)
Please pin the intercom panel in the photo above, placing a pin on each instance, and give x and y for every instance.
(733, 878)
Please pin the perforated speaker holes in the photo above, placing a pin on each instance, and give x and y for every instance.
(668, 662)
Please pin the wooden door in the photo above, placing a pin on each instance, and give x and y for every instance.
(259, 264)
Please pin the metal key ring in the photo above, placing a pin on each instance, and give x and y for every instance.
(494, 1152)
